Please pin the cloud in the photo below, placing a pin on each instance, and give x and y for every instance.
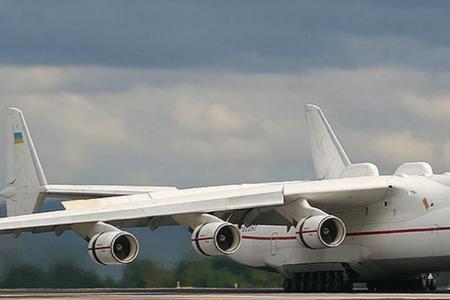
(202, 127)
(39, 79)
(401, 147)
(210, 117)
(233, 35)
(76, 119)
(430, 110)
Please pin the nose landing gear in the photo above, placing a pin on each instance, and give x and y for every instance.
(339, 281)
(421, 283)
(431, 282)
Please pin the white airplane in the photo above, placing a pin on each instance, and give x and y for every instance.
(351, 225)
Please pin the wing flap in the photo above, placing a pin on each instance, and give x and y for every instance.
(83, 191)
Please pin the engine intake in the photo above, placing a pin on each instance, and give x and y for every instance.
(215, 239)
(113, 248)
(322, 231)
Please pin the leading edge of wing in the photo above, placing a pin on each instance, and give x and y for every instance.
(143, 206)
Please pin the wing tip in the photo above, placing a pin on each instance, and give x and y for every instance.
(311, 106)
(13, 109)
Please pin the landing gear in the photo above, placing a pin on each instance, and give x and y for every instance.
(421, 283)
(288, 285)
(318, 282)
(431, 282)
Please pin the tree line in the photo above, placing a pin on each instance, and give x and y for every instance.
(144, 273)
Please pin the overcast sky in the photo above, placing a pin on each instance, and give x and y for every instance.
(193, 93)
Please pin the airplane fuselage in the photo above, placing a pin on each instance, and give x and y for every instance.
(405, 234)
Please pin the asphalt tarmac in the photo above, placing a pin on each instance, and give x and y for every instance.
(201, 294)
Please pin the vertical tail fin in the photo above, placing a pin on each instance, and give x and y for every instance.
(330, 159)
(25, 177)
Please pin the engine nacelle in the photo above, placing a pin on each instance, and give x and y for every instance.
(113, 248)
(218, 238)
(322, 231)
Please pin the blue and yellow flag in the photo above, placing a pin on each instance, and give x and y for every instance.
(18, 137)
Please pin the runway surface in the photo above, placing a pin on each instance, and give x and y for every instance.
(199, 294)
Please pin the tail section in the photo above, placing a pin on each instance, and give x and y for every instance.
(25, 177)
(329, 158)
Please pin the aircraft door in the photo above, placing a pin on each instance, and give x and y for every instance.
(274, 243)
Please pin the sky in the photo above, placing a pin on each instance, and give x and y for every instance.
(194, 93)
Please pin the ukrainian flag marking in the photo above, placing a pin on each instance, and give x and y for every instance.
(18, 137)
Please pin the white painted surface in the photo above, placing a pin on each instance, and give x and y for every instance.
(329, 157)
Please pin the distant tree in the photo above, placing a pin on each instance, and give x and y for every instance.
(109, 282)
(222, 272)
(66, 274)
(23, 275)
(192, 271)
(145, 273)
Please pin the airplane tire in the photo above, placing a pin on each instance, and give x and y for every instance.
(321, 281)
(326, 282)
(315, 284)
(333, 282)
(422, 284)
(288, 285)
(308, 283)
(303, 285)
(431, 284)
(297, 284)
(301, 282)
(318, 282)
(340, 281)
(348, 286)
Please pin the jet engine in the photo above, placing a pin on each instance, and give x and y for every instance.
(218, 238)
(322, 231)
(113, 248)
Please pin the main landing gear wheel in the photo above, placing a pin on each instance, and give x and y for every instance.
(318, 282)
(288, 285)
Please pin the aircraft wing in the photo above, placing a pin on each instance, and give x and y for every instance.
(140, 209)
(333, 194)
